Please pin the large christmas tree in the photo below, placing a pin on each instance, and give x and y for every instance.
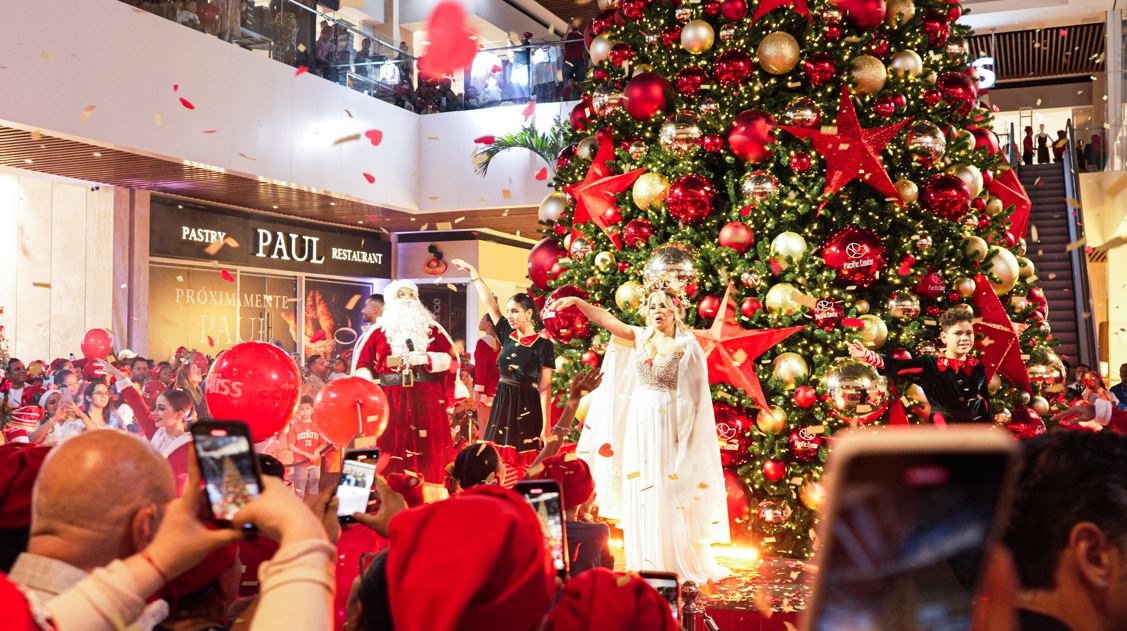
(811, 172)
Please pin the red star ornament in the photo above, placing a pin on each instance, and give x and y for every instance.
(595, 198)
(767, 6)
(853, 153)
(999, 346)
(597, 171)
(731, 350)
(1007, 188)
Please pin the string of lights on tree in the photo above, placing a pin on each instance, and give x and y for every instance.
(808, 172)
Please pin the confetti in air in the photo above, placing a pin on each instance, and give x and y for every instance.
(542, 174)
(453, 42)
(344, 139)
(368, 176)
(485, 140)
(375, 136)
(225, 275)
(187, 104)
(300, 71)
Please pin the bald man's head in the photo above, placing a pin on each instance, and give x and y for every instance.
(92, 488)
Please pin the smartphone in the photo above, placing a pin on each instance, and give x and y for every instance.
(229, 467)
(357, 475)
(913, 512)
(668, 584)
(547, 500)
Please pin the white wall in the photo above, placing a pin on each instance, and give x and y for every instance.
(56, 251)
(495, 12)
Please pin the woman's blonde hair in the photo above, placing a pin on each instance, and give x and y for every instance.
(671, 302)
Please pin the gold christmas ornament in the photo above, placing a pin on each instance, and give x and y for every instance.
(1048, 375)
(994, 206)
(868, 74)
(696, 37)
(790, 368)
(971, 175)
(640, 68)
(788, 244)
(680, 133)
(854, 389)
(916, 394)
(607, 98)
(609, 5)
(897, 13)
(600, 49)
(812, 495)
(925, 142)
(1003, 267)
(587, 147)
(758, 186)
(1019, 302)
(778, 53)
(604, 261)
(907, 190)
(628, 295)
(995, 384)
(771, 421)
(782, 299)
(552, 206)
(671, 265)
(649, 190)
(975, 247)
(874, 332)
(861, 305)
(963, 141)
(965, 286)
(1025, 267)
(562, 363)
(1040, 404)
(903, 306)
(906, 62)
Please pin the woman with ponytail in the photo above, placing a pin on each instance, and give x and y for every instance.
(520, 407)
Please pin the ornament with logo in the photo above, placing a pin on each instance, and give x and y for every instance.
(804, 444)
(828, 314)
(435, 266)
(857, 254)
(733, 428)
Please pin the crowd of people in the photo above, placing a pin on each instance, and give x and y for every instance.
(1090, 156)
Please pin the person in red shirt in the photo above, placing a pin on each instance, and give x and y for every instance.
(307, 445)
(486, 372)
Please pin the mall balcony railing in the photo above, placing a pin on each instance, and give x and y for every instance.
(1081, 282)
(298, 35)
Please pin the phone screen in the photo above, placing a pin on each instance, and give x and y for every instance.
(668, 588)
(906, 547)
(227, 464)
(548, 507)
(356, 478)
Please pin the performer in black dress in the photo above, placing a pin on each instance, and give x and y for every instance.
(954, 381)
(520, 407)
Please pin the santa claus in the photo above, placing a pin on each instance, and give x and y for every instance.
(412, 358)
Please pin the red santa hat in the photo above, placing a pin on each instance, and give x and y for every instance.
(203, 574)
(474, 562)
(409, 486)
(19, 467)
(605, 600)
(574, 476)
(22, 422)
(20, 613)
(31, 394)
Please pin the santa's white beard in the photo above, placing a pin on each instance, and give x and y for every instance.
(406, 319)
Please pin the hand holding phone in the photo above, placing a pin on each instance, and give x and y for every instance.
(228, 466)
(357, 478)
(547, 501)
(668, 584)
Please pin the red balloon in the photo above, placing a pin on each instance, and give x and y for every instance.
(959, 91)
(774, 470)
(348, 407)
(637, 232)
(733, 67)
(750, 133)
(932, 285)
(97, 344)
(804, 444)
(946, 196)
(863, 14)
(734, 429)
(805, 397)
(733, 10)
(567, 324)
(541, 259)
(820, 69)
(690, 80)
(1026, 422)
(709, 306)
(828, 314)
(690, 199)
(739, 507)
(856, 253)
(736, 235)
(581, 114)
(256, 383)
(647, 95)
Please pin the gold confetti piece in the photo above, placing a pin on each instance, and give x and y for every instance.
(804, 300)
(43, 285)
(739, 356)
(432, 137)
(213, 248)
(443, 225)
(156, 118)
(645, 489)
(248, 157)
(1038, 100)
(633, 475)
(179, 278)
(422, 433)
(622, 580)
(37, 135)
(459, 220)
(768, 540)
(702, 485)
(351, 304)
(506, 193)
(1052, 275)
(425, 226)
(344, 139)
(231, 242)
(518, 232)
(1079, 243)
(87, 111)
(451, 287)
(46, 55)
(673, 476)
(1072, 202)
(432, 197)
(1033, 233)
(383, 230)
(348, 112)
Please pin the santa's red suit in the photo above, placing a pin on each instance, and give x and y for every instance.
(420, 386)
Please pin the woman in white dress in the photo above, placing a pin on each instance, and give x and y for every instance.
(650, 440)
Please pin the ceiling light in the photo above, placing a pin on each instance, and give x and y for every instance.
(27, 160)
(275, 207)
(97, 155)
(332, 203)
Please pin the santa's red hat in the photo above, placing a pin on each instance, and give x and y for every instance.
(19, 613)
(474, 562)
(31, 395)
(19, 466)
(573, 475)
(604, 600)
(409, 486)
(203, 574)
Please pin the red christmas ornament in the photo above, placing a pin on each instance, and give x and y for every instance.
(612, 215)
(690, 80)
(805, 397)
(647, 95)
(901, 354)
(691, 290)
(820, 69)
(763, 7)
(633, 9)
(862, 14)
(590, 359)
(733, 10)
(750, 134)
(621, 53)
(856, 253)
(885, 106)
(581, 114)
(774, 470)
(750, 306)
(985, 139)
(712, 143)
(828, 314)
(733, 67)
(932, 285)
(958, 91)
(690, 199)
(800, 162)
(1026, 423)
(933, 311)
(931, 98)
(712, 9)
(879, 46)
(348, 407)
(834, 31)
(709, 306)
(804, 444)
(671, 36)
(541, 259)
(565, 156)
(900, 100)
(97, 344)
(946, 196)
(937, 28)
(600, 23)
(737, 236)
(623, 265)
(637, 232)
(560, 229)
(257, 383)
(734, 430)
(600, 75)
(567, 324)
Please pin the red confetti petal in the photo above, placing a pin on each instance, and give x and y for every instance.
(485, 140)
(910, 371)
(452, 41)
(776, 269)
(211, 131)
(375, 136)
(495, 69)
(187, 104)
(368, 176)
(606, 450)
(529, 109)
(317, 337)
(210, 342)
(300, 71)
(542, 174)
(225, 275)
(175, 87)
(853, 323)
